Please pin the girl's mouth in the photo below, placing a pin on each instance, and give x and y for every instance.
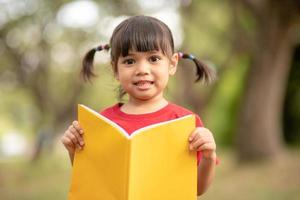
(144, 84)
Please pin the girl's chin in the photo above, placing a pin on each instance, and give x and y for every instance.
(144, 97)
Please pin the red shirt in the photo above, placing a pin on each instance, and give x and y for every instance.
(132, 122)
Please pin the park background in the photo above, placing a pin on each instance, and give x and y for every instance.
(253, 109)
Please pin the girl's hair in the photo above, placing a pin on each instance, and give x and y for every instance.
(142, 34)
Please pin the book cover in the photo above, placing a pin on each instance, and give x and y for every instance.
(153, 163)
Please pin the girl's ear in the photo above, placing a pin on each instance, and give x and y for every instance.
(173, 64)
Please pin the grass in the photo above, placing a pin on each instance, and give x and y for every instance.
(275, 180)
(49, 178)
(45, 179)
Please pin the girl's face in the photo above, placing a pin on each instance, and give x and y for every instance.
(144, 75)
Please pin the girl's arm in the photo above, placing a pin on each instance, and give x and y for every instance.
(206, 173)
(202, 140)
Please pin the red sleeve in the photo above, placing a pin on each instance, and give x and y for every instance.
(198, 122)
(199, 156)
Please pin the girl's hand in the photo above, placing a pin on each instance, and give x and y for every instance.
(72, 138)
(201, 139)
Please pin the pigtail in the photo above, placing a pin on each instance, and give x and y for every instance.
(203, 71)
(87, 63)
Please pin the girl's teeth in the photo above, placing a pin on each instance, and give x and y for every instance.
(144, 84)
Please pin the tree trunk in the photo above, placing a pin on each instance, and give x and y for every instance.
(260, 121)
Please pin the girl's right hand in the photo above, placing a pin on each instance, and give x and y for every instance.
(72, 138)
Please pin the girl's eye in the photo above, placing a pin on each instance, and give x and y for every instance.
(154, 58)
(129, 61)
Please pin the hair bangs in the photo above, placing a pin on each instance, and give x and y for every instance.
(140, 38)
(142, 35)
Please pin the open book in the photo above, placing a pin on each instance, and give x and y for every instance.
(153, 163)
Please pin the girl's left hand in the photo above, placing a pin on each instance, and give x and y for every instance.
(201, 139)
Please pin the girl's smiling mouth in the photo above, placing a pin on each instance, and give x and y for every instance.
(143, 84)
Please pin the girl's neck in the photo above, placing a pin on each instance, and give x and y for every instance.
(142, 107)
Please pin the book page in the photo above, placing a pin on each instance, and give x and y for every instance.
(161, 164)
(100, 170)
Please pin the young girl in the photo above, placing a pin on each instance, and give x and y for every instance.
(143, 58)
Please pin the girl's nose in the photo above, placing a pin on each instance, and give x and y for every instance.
(143, 68)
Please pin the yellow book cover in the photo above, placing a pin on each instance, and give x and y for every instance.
(153, 163)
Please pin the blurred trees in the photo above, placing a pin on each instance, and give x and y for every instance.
(292, 103)
(265, 32)
(271, 48)
(250, 42)
(28, 42)
(42, 57)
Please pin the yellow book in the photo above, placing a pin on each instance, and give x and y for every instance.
(153, 163)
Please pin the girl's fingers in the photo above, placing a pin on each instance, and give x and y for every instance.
(77, 127)
(68, 143)
(198, 132)
(74, 140)
(193, 135)
(77, 135)
(200, 140)
(71, 136)
(197, 143)
(207, 146)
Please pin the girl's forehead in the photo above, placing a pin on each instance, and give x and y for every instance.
(141, 53)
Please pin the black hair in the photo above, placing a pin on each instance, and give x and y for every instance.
(203, 72)
(141, 33)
